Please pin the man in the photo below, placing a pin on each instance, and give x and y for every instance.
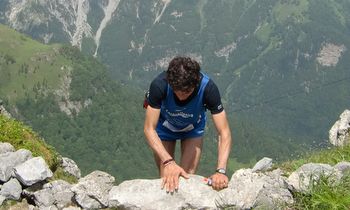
(175, 110)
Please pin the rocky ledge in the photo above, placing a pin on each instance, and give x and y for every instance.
(24, 177)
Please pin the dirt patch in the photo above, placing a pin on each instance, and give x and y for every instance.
(330, 54)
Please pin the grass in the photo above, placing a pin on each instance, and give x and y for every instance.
(22, 137)
(294, 9)
(326, 193)
(32, 65)
(328, 156)
(264, 32)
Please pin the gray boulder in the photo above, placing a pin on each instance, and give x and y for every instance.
(3, 110)
(9, 160)
(248, 190)
(48, 208)
(343, 167)
(193, 193)
(91, 192)
(11, 190)
(339, 134)
(72, 208)
(70, 167)
(2, 199)
(54, 193)
(305, 176)
(263, 165)
(6, 147)
(32, 171)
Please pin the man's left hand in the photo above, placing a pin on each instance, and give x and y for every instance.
(219, 181)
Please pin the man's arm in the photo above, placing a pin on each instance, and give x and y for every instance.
(220, 181)
(151, 120)
(171, 171)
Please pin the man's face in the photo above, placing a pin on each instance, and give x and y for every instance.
(183, 95)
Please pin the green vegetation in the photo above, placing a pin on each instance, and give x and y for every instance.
(280, 101)
(27, 68)
(106, 132)
(291, 9)
(22, 137)
(328, 156)
(326, 193)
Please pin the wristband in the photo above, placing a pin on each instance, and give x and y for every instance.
(167, 161)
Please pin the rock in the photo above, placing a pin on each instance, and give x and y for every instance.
(11, 190)
(2, 199)
(10, 160)
(3, 110)
(248, 190)
(343, 167)
(301, 179)
(43, 198)
(32, 171)
(72, 208)
(339, 134)
(263, 165)
(91, 192)
(54, 193)
(48, 208)
(70, 167)
(6, 147)
(193, 193)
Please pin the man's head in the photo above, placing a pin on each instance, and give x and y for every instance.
(183, 74)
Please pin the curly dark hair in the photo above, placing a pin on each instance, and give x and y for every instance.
(183, 74)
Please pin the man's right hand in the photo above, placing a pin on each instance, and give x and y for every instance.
(171, 174)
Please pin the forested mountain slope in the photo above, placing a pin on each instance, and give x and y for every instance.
(71, 100)
(282, 66)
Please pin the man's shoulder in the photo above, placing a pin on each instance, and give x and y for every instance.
(160, 79)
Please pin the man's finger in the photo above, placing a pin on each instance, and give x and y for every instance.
(171, 184)
(163, 183)
(167, 186)
(176, 182)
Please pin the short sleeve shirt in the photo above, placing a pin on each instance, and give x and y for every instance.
(158, 92)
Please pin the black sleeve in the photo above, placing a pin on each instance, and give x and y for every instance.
(212, 98)
(157, 92)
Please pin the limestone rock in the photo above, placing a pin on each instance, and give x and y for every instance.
(91, 192)
(70, 167)
(193, 193)
(262, 165)
(339, 134)
(54, 193)
(32, 171)
(6, 147)
(301, 179)
(11, 190)
(343, 167)
(2, 199)
(248, 190)
(11, 159)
